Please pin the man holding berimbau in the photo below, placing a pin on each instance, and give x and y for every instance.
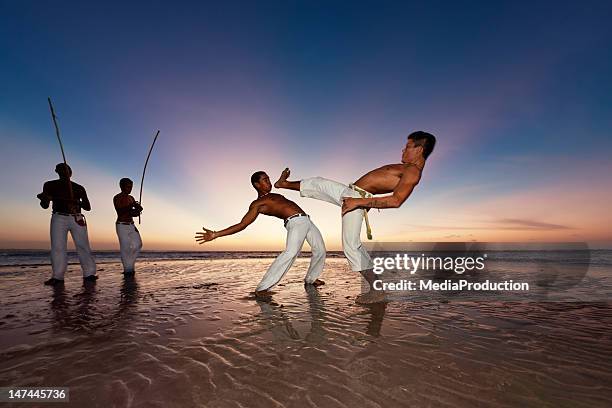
(68, 199)
(130, 242)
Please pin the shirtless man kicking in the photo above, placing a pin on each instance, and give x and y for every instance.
(299, 228)
(396, 180)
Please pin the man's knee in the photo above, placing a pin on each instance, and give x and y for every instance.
(288, 254)
(318, 257)
(82, 246)
(351, 245)
(57, 252)
(318, 251)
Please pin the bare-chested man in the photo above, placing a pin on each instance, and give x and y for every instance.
(68, 199)
(299, 228)
(398, 179)
(130, 243)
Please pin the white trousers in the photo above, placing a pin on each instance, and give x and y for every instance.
(60, 225)
(331, 191)
(130, 245)
(299, 229)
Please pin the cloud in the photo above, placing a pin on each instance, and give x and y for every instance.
(504, 224)
(517, 224)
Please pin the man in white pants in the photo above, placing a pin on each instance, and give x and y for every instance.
(299, 229)
(68, 198)
(398, 179)
(130, 243)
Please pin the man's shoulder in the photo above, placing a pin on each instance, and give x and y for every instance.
(390, 166)
(77, 186)
(276, 195)
(123, 197)
(409, 167)
(256, 203)
(55, 184)
(268, 198)
(411, 173)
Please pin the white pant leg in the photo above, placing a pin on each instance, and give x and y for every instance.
(332, 191)
(297, 228)
(81, 242)
(358, 257)
(317, 261)
(323, 189)
(59, 237)
(130, 245)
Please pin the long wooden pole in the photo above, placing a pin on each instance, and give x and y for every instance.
(59, 139)
(145, 169)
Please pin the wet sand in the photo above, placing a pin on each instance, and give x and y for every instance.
(186, 334)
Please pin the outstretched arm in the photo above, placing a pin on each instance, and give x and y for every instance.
(209, 235)
(402, 191)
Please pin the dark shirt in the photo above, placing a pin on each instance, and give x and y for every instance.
(59, 192)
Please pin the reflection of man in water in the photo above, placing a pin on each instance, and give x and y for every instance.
(299, 229)
(129, 237)
(397, 180)
(75, 312)
(68, 199)
(279, 323)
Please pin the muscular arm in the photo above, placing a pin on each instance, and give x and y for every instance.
(247, 220)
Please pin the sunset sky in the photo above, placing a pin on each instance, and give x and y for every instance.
(519, 96)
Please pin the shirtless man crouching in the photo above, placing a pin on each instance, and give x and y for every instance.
(299, 228)
(397, 180)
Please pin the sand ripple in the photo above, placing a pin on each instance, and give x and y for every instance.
(186, 334)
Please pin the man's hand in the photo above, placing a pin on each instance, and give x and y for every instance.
(137, 209)
(349, 204)
(45, 199)
(207, 235)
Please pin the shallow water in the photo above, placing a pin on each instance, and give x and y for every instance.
(185, 333)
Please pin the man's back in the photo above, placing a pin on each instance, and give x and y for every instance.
(385, 179)
(59, 192)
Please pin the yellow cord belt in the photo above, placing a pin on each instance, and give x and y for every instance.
(364, 194)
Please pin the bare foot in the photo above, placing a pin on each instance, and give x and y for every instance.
(316, 283)
(263, 294)
(280, 183)
(373, 296)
